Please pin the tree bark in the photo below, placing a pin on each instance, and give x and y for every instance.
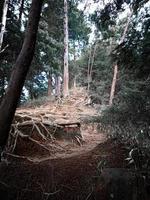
(58, 86)
(75, 59)
(2, 86)
(92, 61)
(74, 52)
(4, 19)
(49, 91)
(126, 27)
(21, 10)
(1, 10)
(66, 70)
(19, 73)
(75, 82)
(113, 86)
(88, 71)
(90, 65)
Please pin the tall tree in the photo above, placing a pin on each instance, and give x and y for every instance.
(113, 86)
(66, 70)
(90, 65)
(19, 73)
(21, 10)
(4, 19)
(50, 87)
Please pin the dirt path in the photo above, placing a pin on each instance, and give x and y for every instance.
(71, 171)
(66, 169)
(61, 178)
(38, 124)
(69, 149)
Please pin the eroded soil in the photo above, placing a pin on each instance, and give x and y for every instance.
(72, 170)
(73, 177)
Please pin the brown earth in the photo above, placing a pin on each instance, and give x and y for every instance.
(56, 129)
(66, 178)
(37, 166)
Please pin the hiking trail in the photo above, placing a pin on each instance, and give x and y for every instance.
(44, 160)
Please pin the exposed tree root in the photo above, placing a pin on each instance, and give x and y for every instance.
(33, 132)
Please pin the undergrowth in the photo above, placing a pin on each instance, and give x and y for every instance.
(123, 124)
(39, 101)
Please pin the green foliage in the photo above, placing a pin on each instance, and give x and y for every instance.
(78, 29)
(48, 59)
(101, 70)
(13, 38)
(129, 116)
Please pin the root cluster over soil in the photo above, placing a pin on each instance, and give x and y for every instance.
(53, 128)
(53, 154)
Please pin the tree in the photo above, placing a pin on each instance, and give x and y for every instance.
(3, 25)
(78, 38)
(90, 65)
(129, 115)
(50, 45)
(99, 68)
(66, 70)
(21, 10)
(13, 39)
(19, 73)
(113, 86)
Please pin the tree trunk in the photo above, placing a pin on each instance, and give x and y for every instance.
(2, 86)
(92, 61)
(21, 10)
(58, 86)
(1, 10)
(126, 27)
(31, 92)
(75, 82)
(19, 73)
(66, 70)
(113, 86)
(49, 91)
(4, 19)
(75, 59)
(74, 52)
(90, 64)
(88, 71)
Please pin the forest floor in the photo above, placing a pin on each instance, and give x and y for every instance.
(43, 167)
(54, 125)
